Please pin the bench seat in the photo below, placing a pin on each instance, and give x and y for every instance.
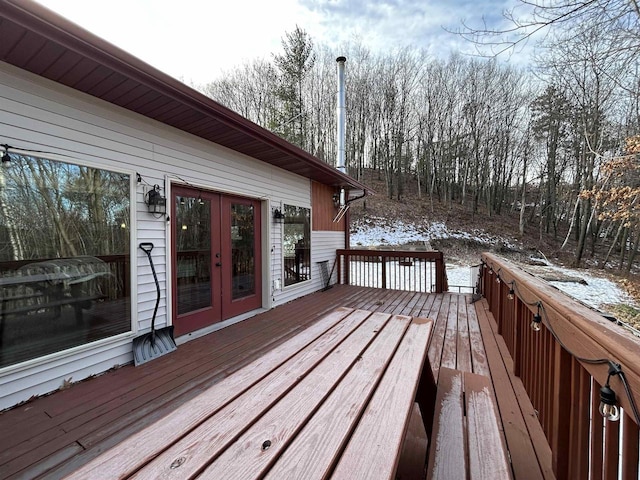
(466, 440)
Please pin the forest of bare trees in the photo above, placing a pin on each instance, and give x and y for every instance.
(553, 142)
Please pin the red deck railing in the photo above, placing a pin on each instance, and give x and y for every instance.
(394, 270)
(563, 366)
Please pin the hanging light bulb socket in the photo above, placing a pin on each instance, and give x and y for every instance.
(608, 403)
(536, 324)
(512, 292)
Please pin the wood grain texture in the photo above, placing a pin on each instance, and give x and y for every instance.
(200, 446)
(353, 367)
(528, 448)
(314, 451)
(478, 355)
(413, 457)
(487, 457)
(448, 449)
(137, 450)
(115, 407)
(463, 350)
(374, 448)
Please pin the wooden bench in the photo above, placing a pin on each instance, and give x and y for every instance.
(466, 439)
(334, 401)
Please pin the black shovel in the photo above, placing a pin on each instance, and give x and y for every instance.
(156, 343)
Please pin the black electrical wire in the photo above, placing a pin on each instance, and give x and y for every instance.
(614, 368)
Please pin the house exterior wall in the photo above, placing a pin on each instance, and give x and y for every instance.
(39, 115)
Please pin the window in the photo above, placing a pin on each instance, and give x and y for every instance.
(64, 256)
(297, 244)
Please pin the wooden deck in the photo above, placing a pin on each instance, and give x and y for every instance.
(52, 436)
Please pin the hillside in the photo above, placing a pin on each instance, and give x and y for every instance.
(477, 232)
(463, 236)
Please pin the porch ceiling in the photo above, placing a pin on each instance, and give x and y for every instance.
(40, 41)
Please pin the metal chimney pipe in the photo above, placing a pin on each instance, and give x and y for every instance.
(340, 163)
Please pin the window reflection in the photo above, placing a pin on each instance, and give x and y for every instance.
(193, 244)
(64, 256)
(243, 251)
(297, 244)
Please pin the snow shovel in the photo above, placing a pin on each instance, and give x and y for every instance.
(156, 343)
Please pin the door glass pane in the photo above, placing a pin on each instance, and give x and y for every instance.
(193, 247)
(242, 251)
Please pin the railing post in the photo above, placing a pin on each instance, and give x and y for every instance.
(339, 262)
(561, 408)
(384, 271)
(347, 269)
(518, 319)
(440, 274)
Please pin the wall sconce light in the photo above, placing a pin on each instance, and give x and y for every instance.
(155, 201)
(278, 216)
(608, 405)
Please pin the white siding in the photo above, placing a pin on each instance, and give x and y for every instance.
(323, 247)
(39, 115)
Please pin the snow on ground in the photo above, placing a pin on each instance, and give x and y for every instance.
(372, 233)
(596, 293)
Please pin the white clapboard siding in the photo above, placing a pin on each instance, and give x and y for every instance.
(39, 115)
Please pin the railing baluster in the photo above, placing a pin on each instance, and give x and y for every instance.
(596, 443)
(562, 376)
(629, 447)
(611, 450)
(561, 406)
(393, 270)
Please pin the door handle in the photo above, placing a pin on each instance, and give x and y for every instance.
(218, 264)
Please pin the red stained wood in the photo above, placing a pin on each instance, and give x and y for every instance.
(611, 450)
(448, 450)
(104, 411)
(450, 346)
(528, 448)
(562, 405)
(597, 437)
(478, 355)
(412, 465)
(630, 447)
(463, 348)
(298, 387)
(148, 442)
(374, 448)
(487, 457)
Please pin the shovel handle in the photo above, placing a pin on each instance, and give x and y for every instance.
(146, 247)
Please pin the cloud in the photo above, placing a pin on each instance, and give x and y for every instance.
(392, 24)
(197, 40)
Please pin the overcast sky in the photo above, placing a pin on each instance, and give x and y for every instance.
(196, 40)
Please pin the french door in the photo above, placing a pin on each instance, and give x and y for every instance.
(216, 257)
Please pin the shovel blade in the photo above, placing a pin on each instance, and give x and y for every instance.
(145, 350)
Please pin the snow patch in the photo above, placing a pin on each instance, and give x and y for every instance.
(372, 232)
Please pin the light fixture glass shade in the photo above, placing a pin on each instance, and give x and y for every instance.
(608, 408)
(535, 326)
(156, 203)
(511, 295)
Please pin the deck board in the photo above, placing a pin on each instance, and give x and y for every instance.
(58, 433)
